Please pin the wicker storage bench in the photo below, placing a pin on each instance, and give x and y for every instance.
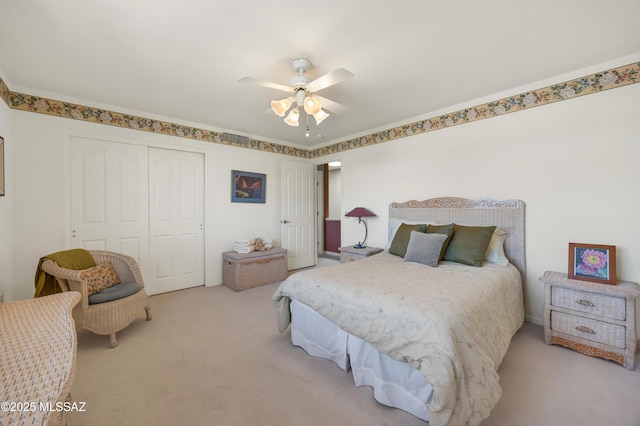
(243, 271)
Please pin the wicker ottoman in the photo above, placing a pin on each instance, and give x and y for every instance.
(243, 271)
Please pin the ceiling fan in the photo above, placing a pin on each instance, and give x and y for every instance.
(302, 92)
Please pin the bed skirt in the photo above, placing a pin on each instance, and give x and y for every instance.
(395, 384)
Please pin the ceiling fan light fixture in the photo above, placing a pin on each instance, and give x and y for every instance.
(311, 105)
(292, 118)
(300, 91)
(280, 107)
(320, 116)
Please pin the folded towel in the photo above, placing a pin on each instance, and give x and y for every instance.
(242, 247)
(245, 249)
(244, 242)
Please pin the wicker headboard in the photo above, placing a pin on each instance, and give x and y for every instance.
(507, 215)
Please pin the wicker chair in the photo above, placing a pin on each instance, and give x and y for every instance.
(109, 317)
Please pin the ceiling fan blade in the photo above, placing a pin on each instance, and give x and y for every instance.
(329, 79)
(332, 106)
(251, 80)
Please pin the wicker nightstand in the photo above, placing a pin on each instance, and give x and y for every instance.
(590, 318)
(350, 253)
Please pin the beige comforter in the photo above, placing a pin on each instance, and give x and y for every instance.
(454, 323)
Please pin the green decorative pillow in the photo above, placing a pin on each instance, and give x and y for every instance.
(100, 277)
(424, 248)
(401, 239)
(469, 244)
(394, 224)
(441, 229)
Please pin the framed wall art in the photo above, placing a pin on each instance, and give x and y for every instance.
(1, 166)
(592, 262)
(248, 187)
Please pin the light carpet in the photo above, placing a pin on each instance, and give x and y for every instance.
(212, 356)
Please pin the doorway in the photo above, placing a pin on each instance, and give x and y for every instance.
(329, 209)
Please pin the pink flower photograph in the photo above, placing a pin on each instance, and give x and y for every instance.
(592, 262)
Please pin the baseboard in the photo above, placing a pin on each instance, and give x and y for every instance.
(330, 254)
(534, 320)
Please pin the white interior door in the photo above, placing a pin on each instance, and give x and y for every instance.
(298, 213)
(109, 197)
(176, 225)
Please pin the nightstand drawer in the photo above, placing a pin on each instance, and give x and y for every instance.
(351, 253)
(597, 331)
(596, 304)
(350, 257)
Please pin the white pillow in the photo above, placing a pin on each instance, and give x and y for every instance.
(394, 224)
(495, 250)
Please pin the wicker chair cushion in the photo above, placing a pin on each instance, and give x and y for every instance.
(100, 277)
(115, 292)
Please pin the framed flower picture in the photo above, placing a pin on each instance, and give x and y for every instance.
(592, 262)
(248, 187)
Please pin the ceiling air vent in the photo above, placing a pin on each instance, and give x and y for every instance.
(235, 139)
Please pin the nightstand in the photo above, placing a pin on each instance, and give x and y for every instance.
(350, 253)
(590, 318)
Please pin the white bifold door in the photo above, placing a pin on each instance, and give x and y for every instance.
(141, 201)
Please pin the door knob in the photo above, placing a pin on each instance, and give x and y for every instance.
(285, 221)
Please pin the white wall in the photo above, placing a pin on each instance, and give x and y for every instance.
(574, 163)
(40, 202)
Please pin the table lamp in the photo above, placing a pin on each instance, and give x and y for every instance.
(361, 212)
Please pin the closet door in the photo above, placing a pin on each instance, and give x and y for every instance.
(109, 197)
(176, 220)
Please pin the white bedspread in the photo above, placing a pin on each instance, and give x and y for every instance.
(454, 323)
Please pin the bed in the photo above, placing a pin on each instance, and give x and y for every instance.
(428, 339)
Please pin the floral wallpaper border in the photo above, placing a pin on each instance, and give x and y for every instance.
(4, 92)
(594, 83)
(24, 102)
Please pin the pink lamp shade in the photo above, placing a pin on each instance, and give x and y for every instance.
(361, 212)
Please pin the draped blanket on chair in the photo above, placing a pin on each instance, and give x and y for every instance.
(77, 259)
